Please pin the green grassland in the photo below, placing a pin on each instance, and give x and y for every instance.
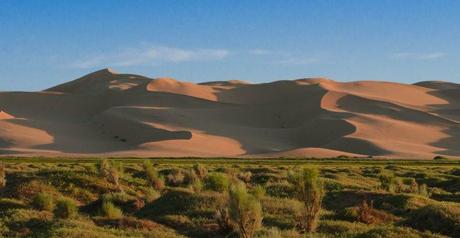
(188, 197)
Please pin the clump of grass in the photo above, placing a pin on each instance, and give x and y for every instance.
(245, 211)
(103, 167)
(111, 211)
(2, 176)
(258, 191)
(390, 183)
(217, 182)
(115, 172)
(27, 191)
(91, 169)
(200, 171)
(423, 190)
(112, 172)
(151, 195)
(65, 208)
(152, 176)
(245, 176)
(196, 186)
(308, 189)
(43, 201)
(366, 213)
(175, 178)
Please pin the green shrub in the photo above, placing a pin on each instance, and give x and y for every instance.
(111, 211)
(43, 201)
(217, 182)
(65, 208)
(245, 211)
(309, 189)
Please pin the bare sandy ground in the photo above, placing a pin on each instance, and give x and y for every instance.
(111, 114)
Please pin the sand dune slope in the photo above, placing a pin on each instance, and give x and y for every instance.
(111, 114)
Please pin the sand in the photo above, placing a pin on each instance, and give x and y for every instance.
(111, 114)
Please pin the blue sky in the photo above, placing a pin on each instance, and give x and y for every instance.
(44, 43)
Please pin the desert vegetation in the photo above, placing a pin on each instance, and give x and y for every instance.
(229, 198)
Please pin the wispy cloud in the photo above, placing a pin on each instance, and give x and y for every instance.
(296, 61)
(260, 52)
(150, 56)
(418, 56)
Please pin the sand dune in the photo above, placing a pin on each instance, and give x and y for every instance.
(111, 114)
(5, 116)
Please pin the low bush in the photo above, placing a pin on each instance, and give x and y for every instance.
(245, 211)
(43, 201)
(309, 189)
(217, 182)
(111, 211)
(65, 208)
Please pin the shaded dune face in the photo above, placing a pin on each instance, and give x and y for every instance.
(106, 113)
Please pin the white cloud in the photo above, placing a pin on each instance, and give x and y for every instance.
(418, 56)
(260, 52)
(150, 56)
(296, 61)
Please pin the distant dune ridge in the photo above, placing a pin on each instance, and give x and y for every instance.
(110, 114)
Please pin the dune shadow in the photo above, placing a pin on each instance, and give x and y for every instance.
(450, 111)
(73, 123)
